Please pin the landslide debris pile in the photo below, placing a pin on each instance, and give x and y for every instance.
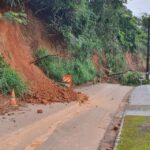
(18, 54)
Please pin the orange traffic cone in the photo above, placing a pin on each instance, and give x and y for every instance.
(13, 99)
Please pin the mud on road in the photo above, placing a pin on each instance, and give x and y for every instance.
(64, 126)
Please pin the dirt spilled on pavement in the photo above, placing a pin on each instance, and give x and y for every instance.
(109, 140)
(18, 54)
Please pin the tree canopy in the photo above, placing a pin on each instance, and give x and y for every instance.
(87, 25)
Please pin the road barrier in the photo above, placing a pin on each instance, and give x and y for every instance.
(68, 79)
(13, 99)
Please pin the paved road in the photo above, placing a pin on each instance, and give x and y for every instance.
(139, 104)
(63, 126)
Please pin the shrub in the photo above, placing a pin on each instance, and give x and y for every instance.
(116, 63)
(131, 78)
(19, 17)
(52, 66)
(15, 3)
(81, 71)
(10, 79)
(56, 67)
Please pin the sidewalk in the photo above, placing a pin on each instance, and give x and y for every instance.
(135, 126)
(139, 102)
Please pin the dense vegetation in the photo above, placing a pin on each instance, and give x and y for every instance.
(15, 3)
(86, 27)
(19, 17)
(56, 67)
(98, 25)
(10, 79)
(131, 78)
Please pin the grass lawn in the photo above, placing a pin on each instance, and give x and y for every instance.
(135, 134)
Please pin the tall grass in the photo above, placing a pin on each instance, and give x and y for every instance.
(56, 67)
(10, 79)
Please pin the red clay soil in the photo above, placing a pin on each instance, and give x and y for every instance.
(18, 54)
(134, 62)
(95, 60)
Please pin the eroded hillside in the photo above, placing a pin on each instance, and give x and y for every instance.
(18, 53)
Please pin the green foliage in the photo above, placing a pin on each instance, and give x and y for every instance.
(82, 71)
(131, 78)
(10, 79)
(73, 20)
(116, 63)
(128, 30)
(141, 43)
(87, 26)
(14, 3)
(83, 45)
(56, 67)
(19, 17)
(52, 66)
(146, 21)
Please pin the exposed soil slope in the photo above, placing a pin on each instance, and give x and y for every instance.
(17, 53)
(135, 62)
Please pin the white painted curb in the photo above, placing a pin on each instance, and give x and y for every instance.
(119, 134)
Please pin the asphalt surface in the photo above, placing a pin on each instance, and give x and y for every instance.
(63, 126)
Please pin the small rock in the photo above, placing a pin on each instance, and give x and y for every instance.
(39, 111)
(116, 127)
(119, 124)
(44, 102)
(10, 114)
(3, 117)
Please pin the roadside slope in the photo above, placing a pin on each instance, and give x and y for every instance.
(18, 54)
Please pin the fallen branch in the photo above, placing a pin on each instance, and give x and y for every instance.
(120, 73)
(44, 57)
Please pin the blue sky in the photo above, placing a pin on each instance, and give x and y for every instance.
(139, 7)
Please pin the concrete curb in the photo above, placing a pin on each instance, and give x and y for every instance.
(122, 122)
(119, 133)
